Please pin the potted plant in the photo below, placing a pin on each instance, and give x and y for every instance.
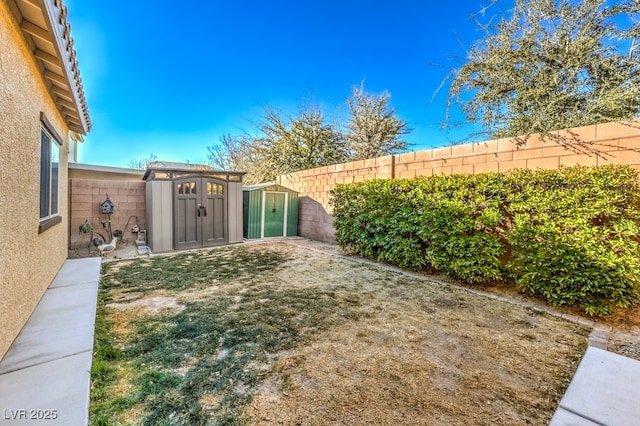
(86, 227)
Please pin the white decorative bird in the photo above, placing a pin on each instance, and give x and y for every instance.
(106, 248)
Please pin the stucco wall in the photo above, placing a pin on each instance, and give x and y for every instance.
(610, 143)
(28, 260)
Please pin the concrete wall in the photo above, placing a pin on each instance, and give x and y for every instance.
(610, 143)
(29, 259)
(88, 188)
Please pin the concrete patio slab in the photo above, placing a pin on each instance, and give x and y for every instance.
(57, 328)
(77, 271)
(603, 391)
(45, 375)
(565, 418)
(55, 392)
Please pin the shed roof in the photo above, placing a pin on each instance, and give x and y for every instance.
(258, 186)
(105, 169)
(264, 185)
(172, 165)
(181, 168)
(48, 35)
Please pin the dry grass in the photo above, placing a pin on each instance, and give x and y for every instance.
(314, 339)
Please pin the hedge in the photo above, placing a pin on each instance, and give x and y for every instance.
(568, 235)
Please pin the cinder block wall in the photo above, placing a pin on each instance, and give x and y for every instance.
(609, 143)
(127, 193)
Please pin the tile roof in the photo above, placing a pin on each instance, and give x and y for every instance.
(48, 34)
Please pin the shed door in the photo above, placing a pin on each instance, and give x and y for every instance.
(274, 214)
(199, 218)
(214, 221)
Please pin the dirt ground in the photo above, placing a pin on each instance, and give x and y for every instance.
(623, 324)
(384, 348)
(424, 355)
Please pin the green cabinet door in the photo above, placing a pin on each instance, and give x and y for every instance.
(274, 214)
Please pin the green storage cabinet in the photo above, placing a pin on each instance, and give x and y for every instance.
(269, 210)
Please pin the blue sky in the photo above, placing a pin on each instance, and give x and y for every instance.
(170, 78)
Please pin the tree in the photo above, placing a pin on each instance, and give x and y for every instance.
(238, 153)
(230, 153)
(287, 144)
(552, 64)
(373, 129)
(142, 163)
(284, 144)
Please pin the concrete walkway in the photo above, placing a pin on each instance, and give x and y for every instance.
(604, 391)
(45, 375)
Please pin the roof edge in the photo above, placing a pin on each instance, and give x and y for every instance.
(192, 171)
(56, 14)
(105, 169)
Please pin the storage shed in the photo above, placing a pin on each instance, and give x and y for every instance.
(191, 206)
(270, 210)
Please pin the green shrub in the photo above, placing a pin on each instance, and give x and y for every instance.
(574, 236)
(449, 224)
(376, 222)
(569, 235)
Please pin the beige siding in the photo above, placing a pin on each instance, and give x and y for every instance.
(28, 260)
(234, 211)
(160, 215)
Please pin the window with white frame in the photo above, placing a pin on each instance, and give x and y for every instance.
(49, 173)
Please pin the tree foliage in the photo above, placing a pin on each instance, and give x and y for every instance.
(373, 129)
(142, 163)
(286, 143)
(552, 64)
(226, 155)
(235, 153)
(291, 143)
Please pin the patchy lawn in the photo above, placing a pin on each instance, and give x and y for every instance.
(279, 334)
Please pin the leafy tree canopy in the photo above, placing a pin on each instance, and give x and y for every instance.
(552, 64)
(373, 129)
(290, 143)
(286, 143)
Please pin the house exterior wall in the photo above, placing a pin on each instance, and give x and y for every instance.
(88, 188)
(609, 143)
(29, 259)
